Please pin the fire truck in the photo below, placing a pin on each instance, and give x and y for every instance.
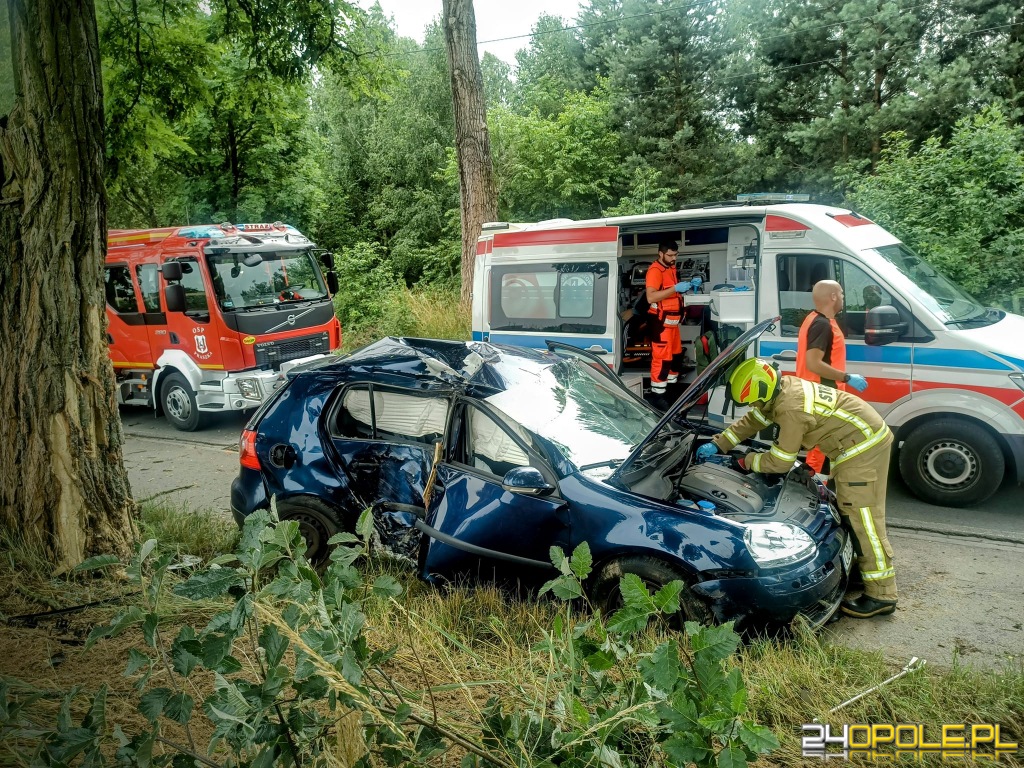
(207, 319)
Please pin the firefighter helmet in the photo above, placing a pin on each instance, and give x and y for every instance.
(753, 380)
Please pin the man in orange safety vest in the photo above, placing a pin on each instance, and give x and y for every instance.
(664, 294)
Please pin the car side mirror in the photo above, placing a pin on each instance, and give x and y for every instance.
(526, 480)
(882, 325)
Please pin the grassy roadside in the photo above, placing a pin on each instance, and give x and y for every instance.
(459, 646)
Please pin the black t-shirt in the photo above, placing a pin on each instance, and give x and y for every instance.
(819, 336)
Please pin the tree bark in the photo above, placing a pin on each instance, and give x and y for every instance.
(479, 199)
(63, 485)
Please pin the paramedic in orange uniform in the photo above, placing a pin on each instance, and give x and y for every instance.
(821, 350)
(664, 295)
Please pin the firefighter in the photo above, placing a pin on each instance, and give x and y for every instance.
(855, 439)
(821, 350)
(664, 291)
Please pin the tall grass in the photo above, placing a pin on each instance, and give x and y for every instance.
(429, 312)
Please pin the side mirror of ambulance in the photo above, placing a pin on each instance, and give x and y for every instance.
(882, 325)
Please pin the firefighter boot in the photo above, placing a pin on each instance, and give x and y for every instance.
(864, 607)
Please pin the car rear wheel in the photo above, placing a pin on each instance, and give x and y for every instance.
(317, 523)
(952, 462)
(179, 403)
(655, 574)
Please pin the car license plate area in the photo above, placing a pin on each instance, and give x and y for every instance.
(847, 554)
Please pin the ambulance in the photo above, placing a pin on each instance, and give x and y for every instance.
(208, 319)
(946, 372)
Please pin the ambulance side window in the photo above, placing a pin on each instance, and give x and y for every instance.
(860, 293)
(559, 298)
(149, 285)
(119, 289)
(797, 275)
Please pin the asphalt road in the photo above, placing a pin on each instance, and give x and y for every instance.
(959, 571)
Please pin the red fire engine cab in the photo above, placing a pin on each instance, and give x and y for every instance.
(200, 319)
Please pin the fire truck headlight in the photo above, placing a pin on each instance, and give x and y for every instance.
(250, 388)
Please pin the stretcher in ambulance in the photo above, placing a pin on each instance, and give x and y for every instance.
(946, 372)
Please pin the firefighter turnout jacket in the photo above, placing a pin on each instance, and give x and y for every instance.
(808, 415)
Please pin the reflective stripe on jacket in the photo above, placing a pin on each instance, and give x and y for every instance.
(841, 424)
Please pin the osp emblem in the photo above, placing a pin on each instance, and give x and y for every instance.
(202, 350)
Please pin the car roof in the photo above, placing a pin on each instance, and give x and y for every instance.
(432, 363)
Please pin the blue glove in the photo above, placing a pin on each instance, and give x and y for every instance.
(858, 382)
(683, 286)
(697, 281)
(705, 451)
(739, 288)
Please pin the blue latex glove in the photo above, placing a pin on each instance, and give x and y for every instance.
(697, 282)
(739, 288)
(705, 451)
(858, 382)
(683, 286)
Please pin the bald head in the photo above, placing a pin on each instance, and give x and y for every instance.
(828, 297)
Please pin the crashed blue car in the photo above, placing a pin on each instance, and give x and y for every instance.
(534, 449)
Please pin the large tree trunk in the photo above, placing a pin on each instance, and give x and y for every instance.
(472, 142)
(63, 484)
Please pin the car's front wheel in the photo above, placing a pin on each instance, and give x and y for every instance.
(605, 592)
(317, 523)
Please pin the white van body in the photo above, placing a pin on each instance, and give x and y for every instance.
(950, 380)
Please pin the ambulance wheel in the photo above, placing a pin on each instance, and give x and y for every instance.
(952, 462)
(179, 403)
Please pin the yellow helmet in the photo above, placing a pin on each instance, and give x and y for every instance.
(753, 380)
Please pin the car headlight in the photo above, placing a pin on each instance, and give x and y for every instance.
(775, 544)
(250, 388)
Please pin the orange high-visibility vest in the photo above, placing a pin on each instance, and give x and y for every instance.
(837, 357)
(660, 277)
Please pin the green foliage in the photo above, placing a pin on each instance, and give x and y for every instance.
(682, 703)
(960, 204)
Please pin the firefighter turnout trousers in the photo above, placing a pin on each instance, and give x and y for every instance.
(860, 491)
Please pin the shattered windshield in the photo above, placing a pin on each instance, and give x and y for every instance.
(590, 419)
(242, 280)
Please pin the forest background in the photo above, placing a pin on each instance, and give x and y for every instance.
(911, 112)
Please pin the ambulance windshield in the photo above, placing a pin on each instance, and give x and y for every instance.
(246, 280)
(947, 302)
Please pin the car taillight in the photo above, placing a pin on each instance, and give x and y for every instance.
(247, 450)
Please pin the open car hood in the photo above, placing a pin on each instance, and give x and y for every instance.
(698, 388)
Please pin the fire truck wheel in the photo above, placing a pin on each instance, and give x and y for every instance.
(952, 463)
(179, 403)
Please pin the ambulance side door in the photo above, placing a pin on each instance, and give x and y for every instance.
(555, 285)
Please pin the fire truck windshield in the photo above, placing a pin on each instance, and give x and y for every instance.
(245, 280)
